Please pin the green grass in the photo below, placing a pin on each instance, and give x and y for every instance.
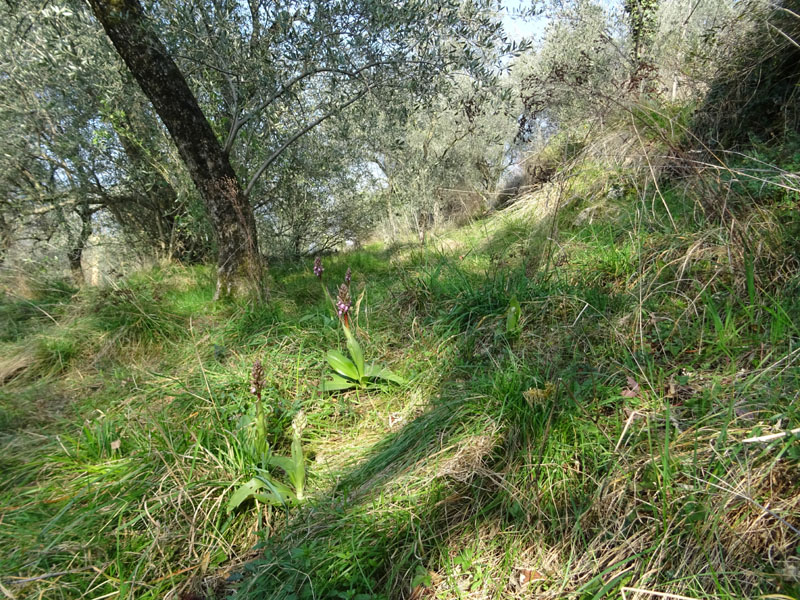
(598, 446)
(20, 314)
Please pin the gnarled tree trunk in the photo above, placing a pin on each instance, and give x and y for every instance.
(78, 244)
(238, 262)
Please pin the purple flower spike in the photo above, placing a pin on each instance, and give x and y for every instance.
(343, 303)
(257, 380)
(318, 267)
(347, 276)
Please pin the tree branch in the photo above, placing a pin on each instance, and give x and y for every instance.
(238, 123)
(297, 135)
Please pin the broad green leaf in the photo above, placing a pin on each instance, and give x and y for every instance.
(264, 489)
(279, 493)
(251, 489)
(336, 383)
(377, 372)
(513, 315)
(294, 467)
(355, 352)
(342, 365)
(245, 491)
(391, 376)
(299, 462)
(282, 462)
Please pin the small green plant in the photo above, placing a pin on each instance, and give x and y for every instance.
(264, 487)
(256, 388)
(513, 316)
(349, 372)
(353, 372)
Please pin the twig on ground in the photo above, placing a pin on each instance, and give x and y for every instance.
(771, 437)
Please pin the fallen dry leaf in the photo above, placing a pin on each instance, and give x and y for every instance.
(521, 577)
(632, 391)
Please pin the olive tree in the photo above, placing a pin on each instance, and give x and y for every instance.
(258, 77)
(442, 161)
(81, 138)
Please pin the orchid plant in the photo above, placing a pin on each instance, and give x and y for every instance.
(264, 486)
(349, 372)
(353, 372)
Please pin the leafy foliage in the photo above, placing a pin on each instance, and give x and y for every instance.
(353, 372)
(266, 488)
(513, 317)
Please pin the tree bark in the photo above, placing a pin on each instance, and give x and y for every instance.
(6, 238)
(239, 262)
(78, 245)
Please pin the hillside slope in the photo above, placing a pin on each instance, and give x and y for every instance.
(600, 393)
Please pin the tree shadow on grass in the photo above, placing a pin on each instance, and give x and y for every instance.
(452, 477)
(400, 518)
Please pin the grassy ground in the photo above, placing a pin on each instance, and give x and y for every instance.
(595, 448)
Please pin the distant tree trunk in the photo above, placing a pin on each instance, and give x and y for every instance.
(238, 261)
(424, 220)
(6, 238)
(78, 245)
(642, 22)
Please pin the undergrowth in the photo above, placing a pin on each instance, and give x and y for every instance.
(629, 431)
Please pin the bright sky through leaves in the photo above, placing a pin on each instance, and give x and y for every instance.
(519, 27)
